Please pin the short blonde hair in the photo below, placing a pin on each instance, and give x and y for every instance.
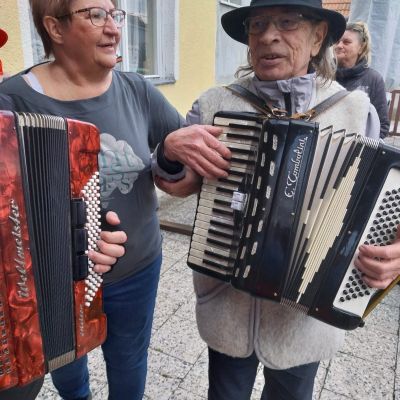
(361, 28)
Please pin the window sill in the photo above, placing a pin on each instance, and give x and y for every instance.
(227, 3)
(157, 81)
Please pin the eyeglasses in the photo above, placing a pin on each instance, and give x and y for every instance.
(98, 16)
(285, 22)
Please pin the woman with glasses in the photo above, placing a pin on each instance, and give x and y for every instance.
(133, 118)
(353, 54)
(290, 67)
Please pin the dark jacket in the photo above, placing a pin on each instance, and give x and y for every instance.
(370, 81)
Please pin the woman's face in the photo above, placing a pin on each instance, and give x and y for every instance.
(89, 45)
(278, 54)
(348, 49)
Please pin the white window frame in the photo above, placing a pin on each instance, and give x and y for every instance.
(231, 3)
(166, 46)
(27, 35)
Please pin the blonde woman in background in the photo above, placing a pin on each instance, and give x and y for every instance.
(353, 53)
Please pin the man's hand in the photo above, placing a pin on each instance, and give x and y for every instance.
(197, 147)
(380, 264)
(110, 246)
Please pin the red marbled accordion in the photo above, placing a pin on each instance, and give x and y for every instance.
(51, 309)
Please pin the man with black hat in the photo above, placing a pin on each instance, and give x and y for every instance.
(290, 67)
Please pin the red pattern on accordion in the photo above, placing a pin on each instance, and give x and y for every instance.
(24, 355)
(90, 324)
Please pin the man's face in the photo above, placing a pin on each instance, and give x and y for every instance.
(278, 54)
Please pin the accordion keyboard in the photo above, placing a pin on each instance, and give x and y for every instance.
(222, 202)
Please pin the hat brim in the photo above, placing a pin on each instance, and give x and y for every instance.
(3, 37)
(232, 21)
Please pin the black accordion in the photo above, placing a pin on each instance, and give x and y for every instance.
(51, 309)
(286, 223)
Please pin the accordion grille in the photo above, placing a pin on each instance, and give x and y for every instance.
(48, 200)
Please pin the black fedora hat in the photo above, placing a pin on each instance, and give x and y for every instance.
(232, 21)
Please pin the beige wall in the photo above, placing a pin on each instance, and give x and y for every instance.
(196, 59)
(11, 54)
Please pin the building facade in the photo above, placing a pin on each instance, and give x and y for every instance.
(177, 44)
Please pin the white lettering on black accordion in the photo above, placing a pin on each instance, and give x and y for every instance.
(293, 175)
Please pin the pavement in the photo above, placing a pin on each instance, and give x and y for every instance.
(366, 368)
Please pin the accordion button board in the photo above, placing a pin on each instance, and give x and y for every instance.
(286, 223)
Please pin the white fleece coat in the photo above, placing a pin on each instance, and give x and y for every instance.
(235, 323)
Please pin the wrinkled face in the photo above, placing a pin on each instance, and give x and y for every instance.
(278, 54)
(347, 49)
(89, 45)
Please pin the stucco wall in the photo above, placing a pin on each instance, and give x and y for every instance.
(11, 54)
(196, 58)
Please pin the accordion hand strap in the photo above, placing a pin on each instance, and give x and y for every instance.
(259, 104)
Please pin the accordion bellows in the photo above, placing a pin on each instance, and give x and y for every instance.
(50, 298)
(286, 223)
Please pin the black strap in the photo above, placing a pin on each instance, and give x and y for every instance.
(323, 106)
(288, 102)
(259, 104)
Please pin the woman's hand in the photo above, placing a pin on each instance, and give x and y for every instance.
(110, 246)
(197, 147)
(380, 264)
(186, 186)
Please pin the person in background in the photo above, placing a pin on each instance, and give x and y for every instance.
(353, 54)
(133, 118)
(290, 67)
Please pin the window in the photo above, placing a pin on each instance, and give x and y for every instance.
(233, 3)
(148, 44)
(229, 54)
(37, 47)
(139, 44)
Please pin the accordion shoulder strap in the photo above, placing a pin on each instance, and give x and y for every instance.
(259, 104)
(323, 106)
